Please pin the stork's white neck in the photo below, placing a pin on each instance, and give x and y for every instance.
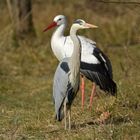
(59, 32)
(56, 44)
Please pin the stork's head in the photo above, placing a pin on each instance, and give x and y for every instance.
(81, 24)
(57, 21)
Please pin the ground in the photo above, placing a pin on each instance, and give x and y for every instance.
(27, 110)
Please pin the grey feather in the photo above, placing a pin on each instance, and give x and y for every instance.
(61, 79)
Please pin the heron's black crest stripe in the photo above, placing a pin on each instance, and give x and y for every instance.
(65, 67)
(79, 21)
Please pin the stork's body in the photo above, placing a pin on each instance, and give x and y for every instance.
(67, 76)
(94, 64)
(62, 47)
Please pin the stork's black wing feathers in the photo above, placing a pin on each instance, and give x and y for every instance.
(104, 82)
(100, 73)
(104, 60)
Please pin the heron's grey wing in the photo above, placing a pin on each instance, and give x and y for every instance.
(61, 80)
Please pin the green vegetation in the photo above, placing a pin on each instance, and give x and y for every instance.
(26, 76)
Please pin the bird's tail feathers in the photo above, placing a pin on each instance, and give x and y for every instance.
(106, 84)
(113, 88)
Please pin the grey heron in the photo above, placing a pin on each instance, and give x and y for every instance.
(67, 76)
(95, 65)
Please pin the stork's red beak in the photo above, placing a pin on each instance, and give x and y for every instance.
(53, 24)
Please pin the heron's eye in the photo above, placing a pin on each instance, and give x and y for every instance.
(80, 22)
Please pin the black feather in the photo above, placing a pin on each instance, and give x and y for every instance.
(71, 94)
(102, 80)
(104, 60)
(65, 67)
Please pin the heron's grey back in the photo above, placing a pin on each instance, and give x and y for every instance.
(60, 86)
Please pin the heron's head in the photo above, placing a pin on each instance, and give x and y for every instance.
(57, 21)
(81, 24)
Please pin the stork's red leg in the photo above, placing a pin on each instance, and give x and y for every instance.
(83, 91)
(92, 95)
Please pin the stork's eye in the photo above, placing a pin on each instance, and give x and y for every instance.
(59, 19)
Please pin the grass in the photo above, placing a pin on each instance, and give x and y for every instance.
(27, 112)
(26, 77)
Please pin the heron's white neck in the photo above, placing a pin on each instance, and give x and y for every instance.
(74, 61)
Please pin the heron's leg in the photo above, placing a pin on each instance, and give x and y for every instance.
(83, 90)
(65, 114)
(92, 95)
(69, 114)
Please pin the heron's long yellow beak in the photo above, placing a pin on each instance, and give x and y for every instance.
(90, 25)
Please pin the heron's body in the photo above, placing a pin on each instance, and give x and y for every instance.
(67, 77)
(63, 88)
